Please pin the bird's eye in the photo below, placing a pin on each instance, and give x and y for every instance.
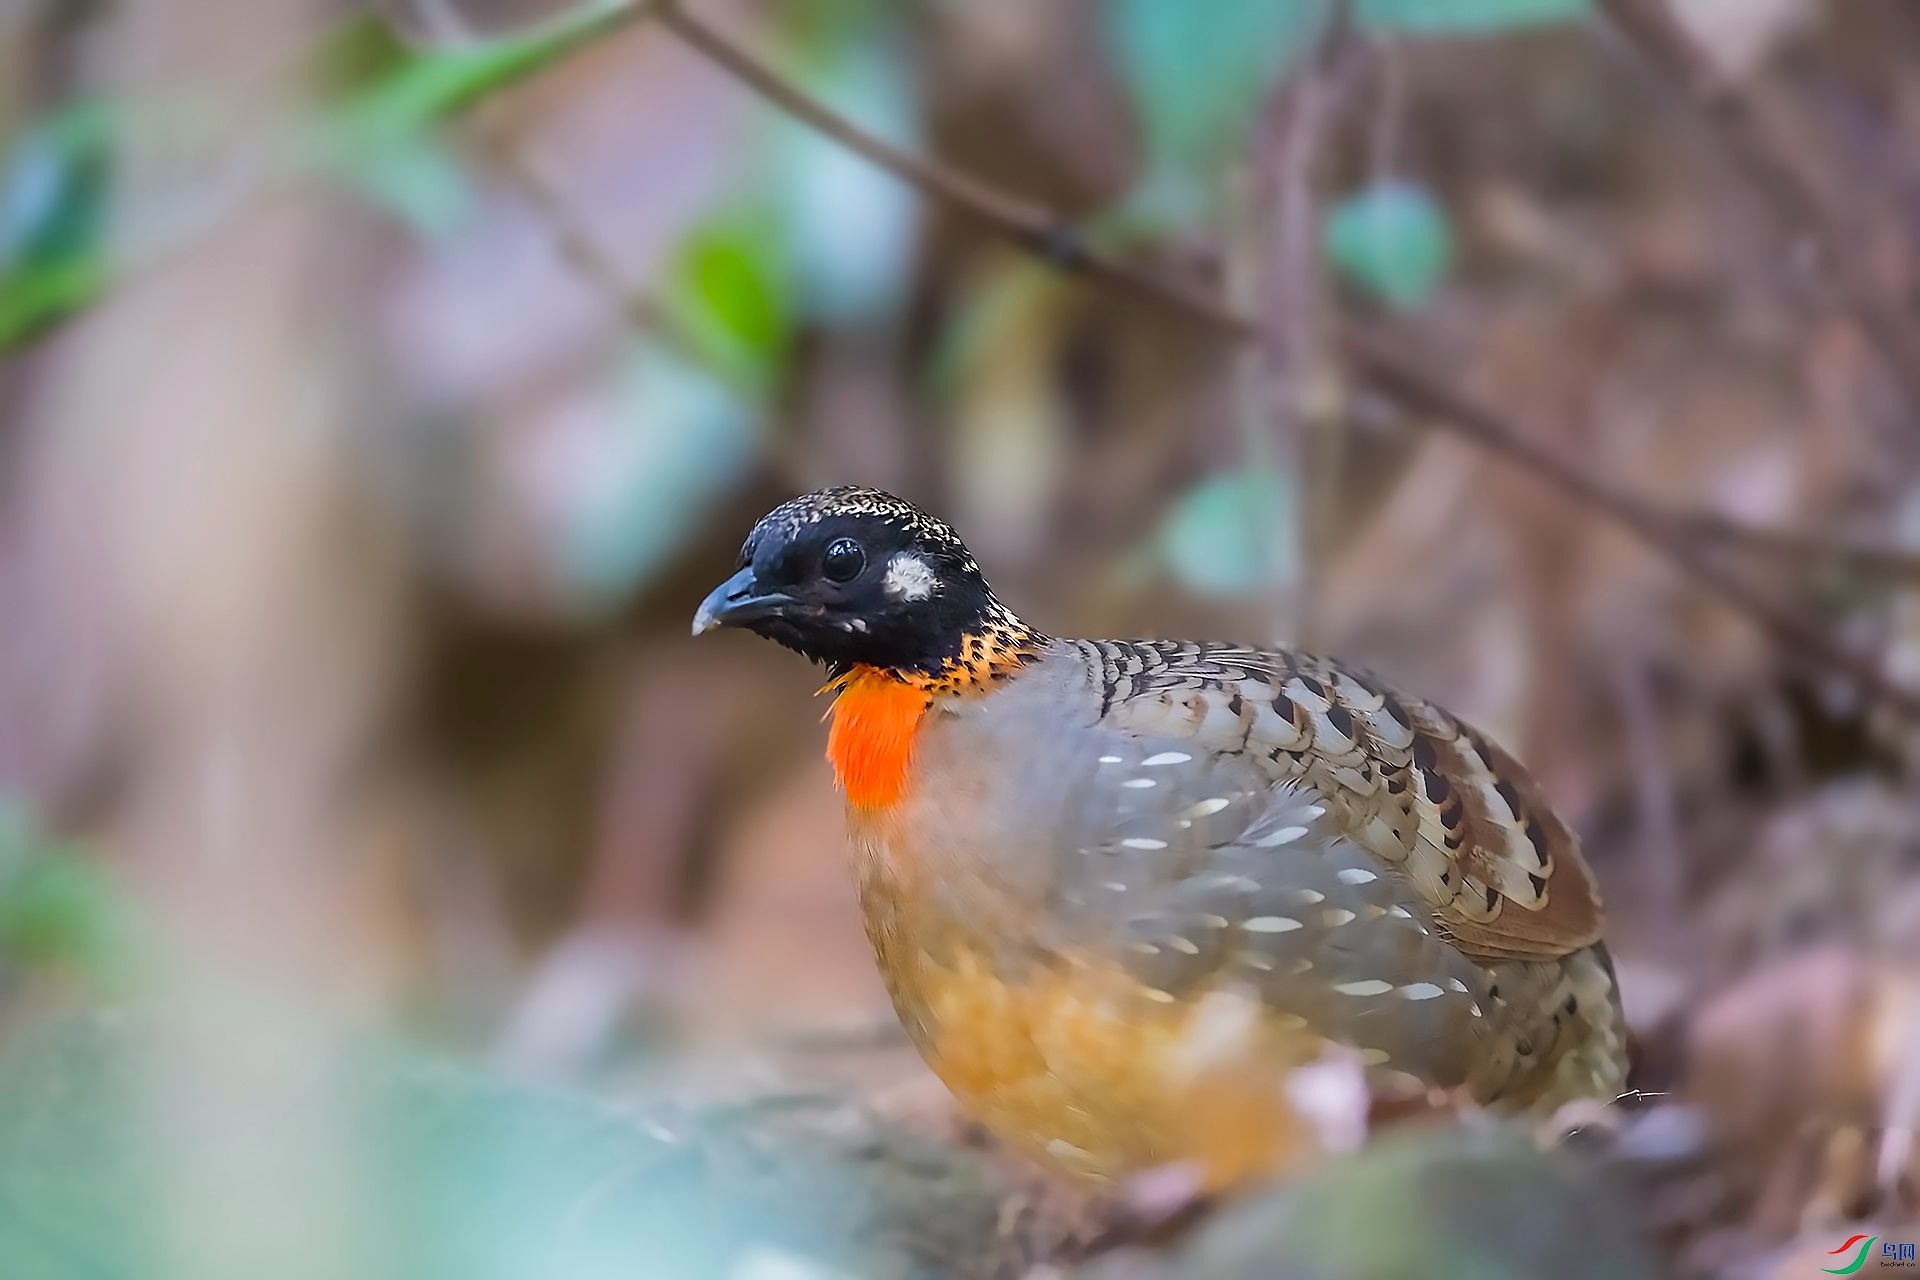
(843, 561)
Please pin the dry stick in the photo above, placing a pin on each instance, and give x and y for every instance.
(1774, 166)
(1401, 378)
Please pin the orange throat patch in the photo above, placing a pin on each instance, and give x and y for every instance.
(876, 712)
(875, 716)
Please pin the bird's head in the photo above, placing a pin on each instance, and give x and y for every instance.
(852, 576)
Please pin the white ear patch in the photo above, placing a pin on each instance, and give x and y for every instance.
(910, 578)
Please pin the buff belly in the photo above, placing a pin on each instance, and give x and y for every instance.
(1082, 1068)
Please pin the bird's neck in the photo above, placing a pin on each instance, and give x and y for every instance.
(877, 711)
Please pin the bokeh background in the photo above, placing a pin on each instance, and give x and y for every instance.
(389, 886)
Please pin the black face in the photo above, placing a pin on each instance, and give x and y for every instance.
(853, 575)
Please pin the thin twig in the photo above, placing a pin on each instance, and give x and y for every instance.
(1405, 380)
(591, 262)
(579, 250)
(1030, 225)
(1776, 168)
(1425, 395)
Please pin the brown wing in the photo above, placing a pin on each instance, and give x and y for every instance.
(1460, 819)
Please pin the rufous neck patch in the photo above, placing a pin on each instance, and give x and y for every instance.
(876, 712)
(875, 715)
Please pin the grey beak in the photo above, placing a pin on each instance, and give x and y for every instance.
(737, 601)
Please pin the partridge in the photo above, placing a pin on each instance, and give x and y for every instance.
(1119, 889)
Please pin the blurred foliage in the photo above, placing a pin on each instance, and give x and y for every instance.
(852, 229)
(53, 208)
(58, 910)
(459, 1176)
(1392, 240)
(1232, 534)
(423, 183)
(374, 90)
(641, 482)
(1197, 75)
(1466, 17)
(729, 291)
(375, 102)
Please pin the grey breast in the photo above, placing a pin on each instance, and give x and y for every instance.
(1169, 840)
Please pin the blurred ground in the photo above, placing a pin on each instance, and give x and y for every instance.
(385, 874)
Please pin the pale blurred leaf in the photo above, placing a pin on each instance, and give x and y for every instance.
(1233, 534)
(998, 372)
(1197, 75)
(410, 1168)
(422, 183)
(1392, 240)
(638, 487)
(852, 227)
(1467, 17)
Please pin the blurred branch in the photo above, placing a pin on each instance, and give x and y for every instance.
(1293, 381)
(1861, 557)
(1776, 168)
(578, 249)
(1030, 225)
(1394, 374)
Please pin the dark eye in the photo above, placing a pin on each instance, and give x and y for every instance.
(843, 561)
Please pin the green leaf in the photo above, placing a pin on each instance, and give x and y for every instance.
(727, 289)
(58, 909)
(53, 212)
(384, 93)
(1467, 17)
(41, 296)
(1392, 240)
(457, 23)
(1232, 534)
(1197, 75)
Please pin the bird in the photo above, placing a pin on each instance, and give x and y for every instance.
(1119, 891)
